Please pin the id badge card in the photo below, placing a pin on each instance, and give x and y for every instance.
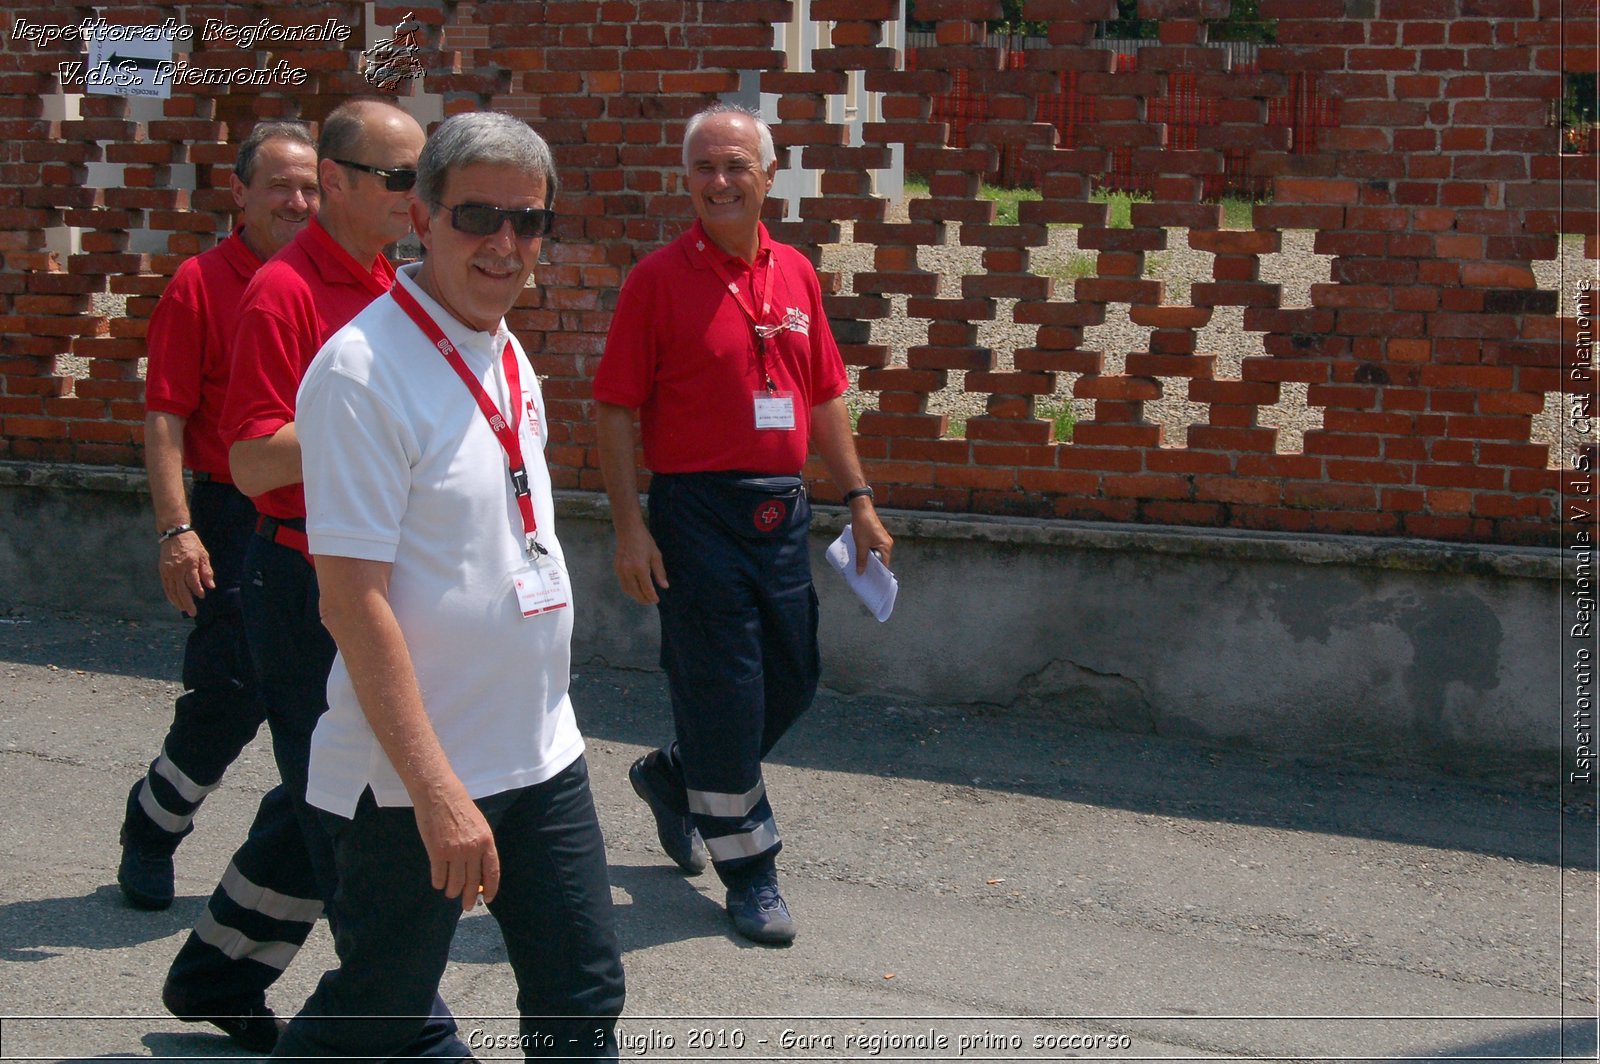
(541, 587)
(774, 410)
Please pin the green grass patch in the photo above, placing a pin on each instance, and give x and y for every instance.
(1238, 213)
(956, 427)
(1073, 268)
(1058, 411)
(1120, 214)
(1007, 202)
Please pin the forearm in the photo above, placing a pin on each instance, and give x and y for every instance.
(835, 445)
(830, 432)
(356, 611)
(163, 461)
(266, 462)
(619, 467)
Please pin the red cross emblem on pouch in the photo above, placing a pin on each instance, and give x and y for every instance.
(770, 515)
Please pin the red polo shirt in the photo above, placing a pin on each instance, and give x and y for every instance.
(310, 290)
(189, 337)
(682, 351)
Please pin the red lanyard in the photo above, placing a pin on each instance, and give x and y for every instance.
(738, 297)
(505, 433)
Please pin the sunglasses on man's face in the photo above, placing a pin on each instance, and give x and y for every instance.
(397, 180)
(480, 219)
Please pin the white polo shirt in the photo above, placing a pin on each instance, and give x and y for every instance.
(402, 467)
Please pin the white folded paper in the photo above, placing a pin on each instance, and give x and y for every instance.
(876, 587)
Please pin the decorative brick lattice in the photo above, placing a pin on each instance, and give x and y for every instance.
(1412, 136)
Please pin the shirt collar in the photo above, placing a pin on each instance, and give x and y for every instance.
(696, 236)
(239, 256)
(337, 265)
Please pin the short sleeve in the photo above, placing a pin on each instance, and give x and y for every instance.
(175, 340)
(269, 351)
(357, 458)
(626, 376)
(827, 366)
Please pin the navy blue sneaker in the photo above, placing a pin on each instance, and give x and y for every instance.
(674, 829)
(145, 873)
(253, 1027)
(759, 912)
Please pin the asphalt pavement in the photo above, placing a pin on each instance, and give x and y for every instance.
(969, 885)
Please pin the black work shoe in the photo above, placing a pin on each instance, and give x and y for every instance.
(253, 1027)
(145, 873)
(679, 839)
(759, 912)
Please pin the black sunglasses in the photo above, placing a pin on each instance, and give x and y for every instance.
(480, 219)
(398, 180)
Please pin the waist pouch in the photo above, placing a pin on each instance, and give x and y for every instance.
(752, 507)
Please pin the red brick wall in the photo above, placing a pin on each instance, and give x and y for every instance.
(1430, 350)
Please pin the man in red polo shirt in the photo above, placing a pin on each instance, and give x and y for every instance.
(281, 878)
(202, 542)
(721, 345)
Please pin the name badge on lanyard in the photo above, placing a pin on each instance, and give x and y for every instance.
(774, 410)
(541, 588)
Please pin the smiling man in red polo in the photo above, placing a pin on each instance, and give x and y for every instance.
(721, 346)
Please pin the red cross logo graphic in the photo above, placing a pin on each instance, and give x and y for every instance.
(770, 514)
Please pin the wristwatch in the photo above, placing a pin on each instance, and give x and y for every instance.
(175, 530)
(855, 493)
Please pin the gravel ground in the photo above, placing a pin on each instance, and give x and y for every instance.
(1296, 267)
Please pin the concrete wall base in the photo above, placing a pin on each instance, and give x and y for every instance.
(1387, 650)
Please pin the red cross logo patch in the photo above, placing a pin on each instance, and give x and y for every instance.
(770, 515)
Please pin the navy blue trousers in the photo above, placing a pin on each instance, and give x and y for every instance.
(281, 877)
(394, 929)
(739, 647)
(218, 713)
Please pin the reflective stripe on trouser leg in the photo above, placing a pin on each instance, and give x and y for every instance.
(169, 797)
(255, 921)
(738, 636)
(734, 826)
(219, 713)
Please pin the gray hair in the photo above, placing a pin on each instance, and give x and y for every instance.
(767, 153)
(244, 163)
(483, 137)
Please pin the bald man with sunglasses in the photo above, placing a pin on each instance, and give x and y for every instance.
(282, 878)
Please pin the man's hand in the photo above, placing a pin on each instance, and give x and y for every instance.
(869, 534)
(461, 851)
(639, 567)
(185, 569)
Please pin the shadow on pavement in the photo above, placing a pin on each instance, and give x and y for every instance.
(662, 907)
(97, 920)
(1566, 1040)
(1034, 754)
(984, 748)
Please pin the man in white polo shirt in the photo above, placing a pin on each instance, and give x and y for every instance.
(449, 763)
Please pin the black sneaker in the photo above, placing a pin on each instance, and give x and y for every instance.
(145, 873)
(675, 830)
(759, 912)
(253, 1027)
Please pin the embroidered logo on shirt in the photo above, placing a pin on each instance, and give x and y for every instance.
(798, 320)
